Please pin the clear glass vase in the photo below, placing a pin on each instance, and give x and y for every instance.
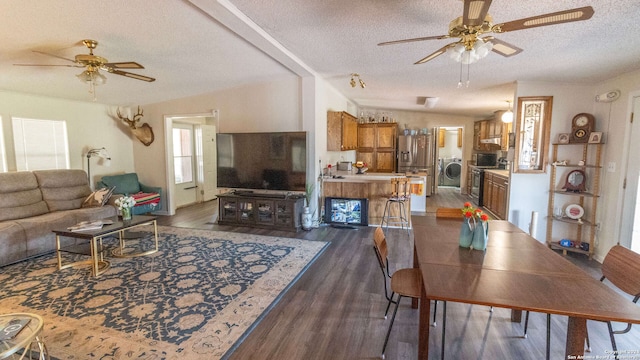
(126, 213)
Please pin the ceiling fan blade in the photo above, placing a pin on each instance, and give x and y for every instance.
(125, 65)
(56, 56)
(504, 48)
(435, 54)
(560, 17)
(439, 37)
(78, 66)
(132, 75)
(475, 11)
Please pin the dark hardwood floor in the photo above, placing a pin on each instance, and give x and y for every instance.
(336, 309)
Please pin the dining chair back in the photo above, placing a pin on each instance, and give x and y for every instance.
(404, 282)
(449, 213)
(621, 267)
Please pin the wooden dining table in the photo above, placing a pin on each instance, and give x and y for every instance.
(515, 272)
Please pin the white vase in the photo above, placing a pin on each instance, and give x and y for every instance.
(307, 219)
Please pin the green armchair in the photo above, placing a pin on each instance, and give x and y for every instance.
(148, 198)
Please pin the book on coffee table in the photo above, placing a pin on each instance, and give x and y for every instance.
(89, 225)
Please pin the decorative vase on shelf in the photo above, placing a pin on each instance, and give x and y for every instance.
(466, 232)
(126, 213)
(480, 236)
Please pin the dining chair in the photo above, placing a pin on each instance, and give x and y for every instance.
(400, 194)
(404, 282)
(621, 266)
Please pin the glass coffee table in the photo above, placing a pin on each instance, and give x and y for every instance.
(94, 247)
(19, 333)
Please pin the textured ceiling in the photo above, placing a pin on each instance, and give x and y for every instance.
(189, 52)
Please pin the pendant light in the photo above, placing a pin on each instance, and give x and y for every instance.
(507, 117)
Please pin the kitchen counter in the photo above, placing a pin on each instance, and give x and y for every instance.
(351, 176)
(499, 172)
(373, 186)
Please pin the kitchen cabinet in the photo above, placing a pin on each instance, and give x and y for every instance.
(342, 131)
(496, 193)
(377, 146)
(490, 129)
(581, 229)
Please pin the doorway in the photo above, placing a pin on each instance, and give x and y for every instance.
(184, 164)
(449, 145)
(630, 224)
(190, 152)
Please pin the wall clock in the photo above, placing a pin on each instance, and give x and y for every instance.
(581, 127)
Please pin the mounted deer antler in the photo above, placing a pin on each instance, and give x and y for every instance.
(144, 133)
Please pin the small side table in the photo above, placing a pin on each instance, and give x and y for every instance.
(23, 340)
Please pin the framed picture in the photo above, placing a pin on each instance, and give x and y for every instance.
(563, 138)
(595, 137)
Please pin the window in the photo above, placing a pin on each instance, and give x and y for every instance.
(182, 155)
(40, 144)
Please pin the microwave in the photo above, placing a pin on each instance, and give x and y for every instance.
(485, 159)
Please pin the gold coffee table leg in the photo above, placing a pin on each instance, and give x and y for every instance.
(119, 252)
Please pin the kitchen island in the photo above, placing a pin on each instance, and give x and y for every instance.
(375, 187)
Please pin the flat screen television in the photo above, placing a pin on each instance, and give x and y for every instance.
(345, 211)
(262, 161)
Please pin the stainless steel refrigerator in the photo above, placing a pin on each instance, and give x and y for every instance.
(416, 153)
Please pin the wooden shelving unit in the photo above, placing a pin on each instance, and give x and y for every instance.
(585, 228)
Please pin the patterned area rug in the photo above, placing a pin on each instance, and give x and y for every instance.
(194, 299)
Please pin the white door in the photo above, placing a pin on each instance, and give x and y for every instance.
(207, 161)
(630, 232)
(184, 165)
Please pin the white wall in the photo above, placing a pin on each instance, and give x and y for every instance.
(89, 125)
(529, 192)
(263, 107)
(613, 120)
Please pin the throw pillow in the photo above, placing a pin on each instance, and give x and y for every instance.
(98, 198)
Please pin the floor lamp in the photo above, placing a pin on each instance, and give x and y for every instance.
(102, 154)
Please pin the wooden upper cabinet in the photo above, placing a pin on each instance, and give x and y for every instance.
(386, 137)
(377, 146)
(342, 131)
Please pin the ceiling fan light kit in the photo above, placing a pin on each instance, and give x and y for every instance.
(476, 21)
(93, 64)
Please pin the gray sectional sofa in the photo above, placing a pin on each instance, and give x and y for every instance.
(32, 203)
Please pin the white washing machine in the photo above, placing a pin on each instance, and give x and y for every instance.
(451, 171)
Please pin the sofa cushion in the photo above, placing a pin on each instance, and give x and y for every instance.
(63, 189)
(125, 183)
(20, 196)
(98, 198)
(94, 213)
(14, 242)
(38, 230)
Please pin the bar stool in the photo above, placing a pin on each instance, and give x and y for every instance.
(400, 193)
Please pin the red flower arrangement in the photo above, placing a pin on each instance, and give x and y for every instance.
(468, 211)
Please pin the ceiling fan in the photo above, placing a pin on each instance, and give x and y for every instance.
(94, 63)
(476, 21)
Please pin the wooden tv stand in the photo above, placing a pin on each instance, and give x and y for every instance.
(278, 212)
